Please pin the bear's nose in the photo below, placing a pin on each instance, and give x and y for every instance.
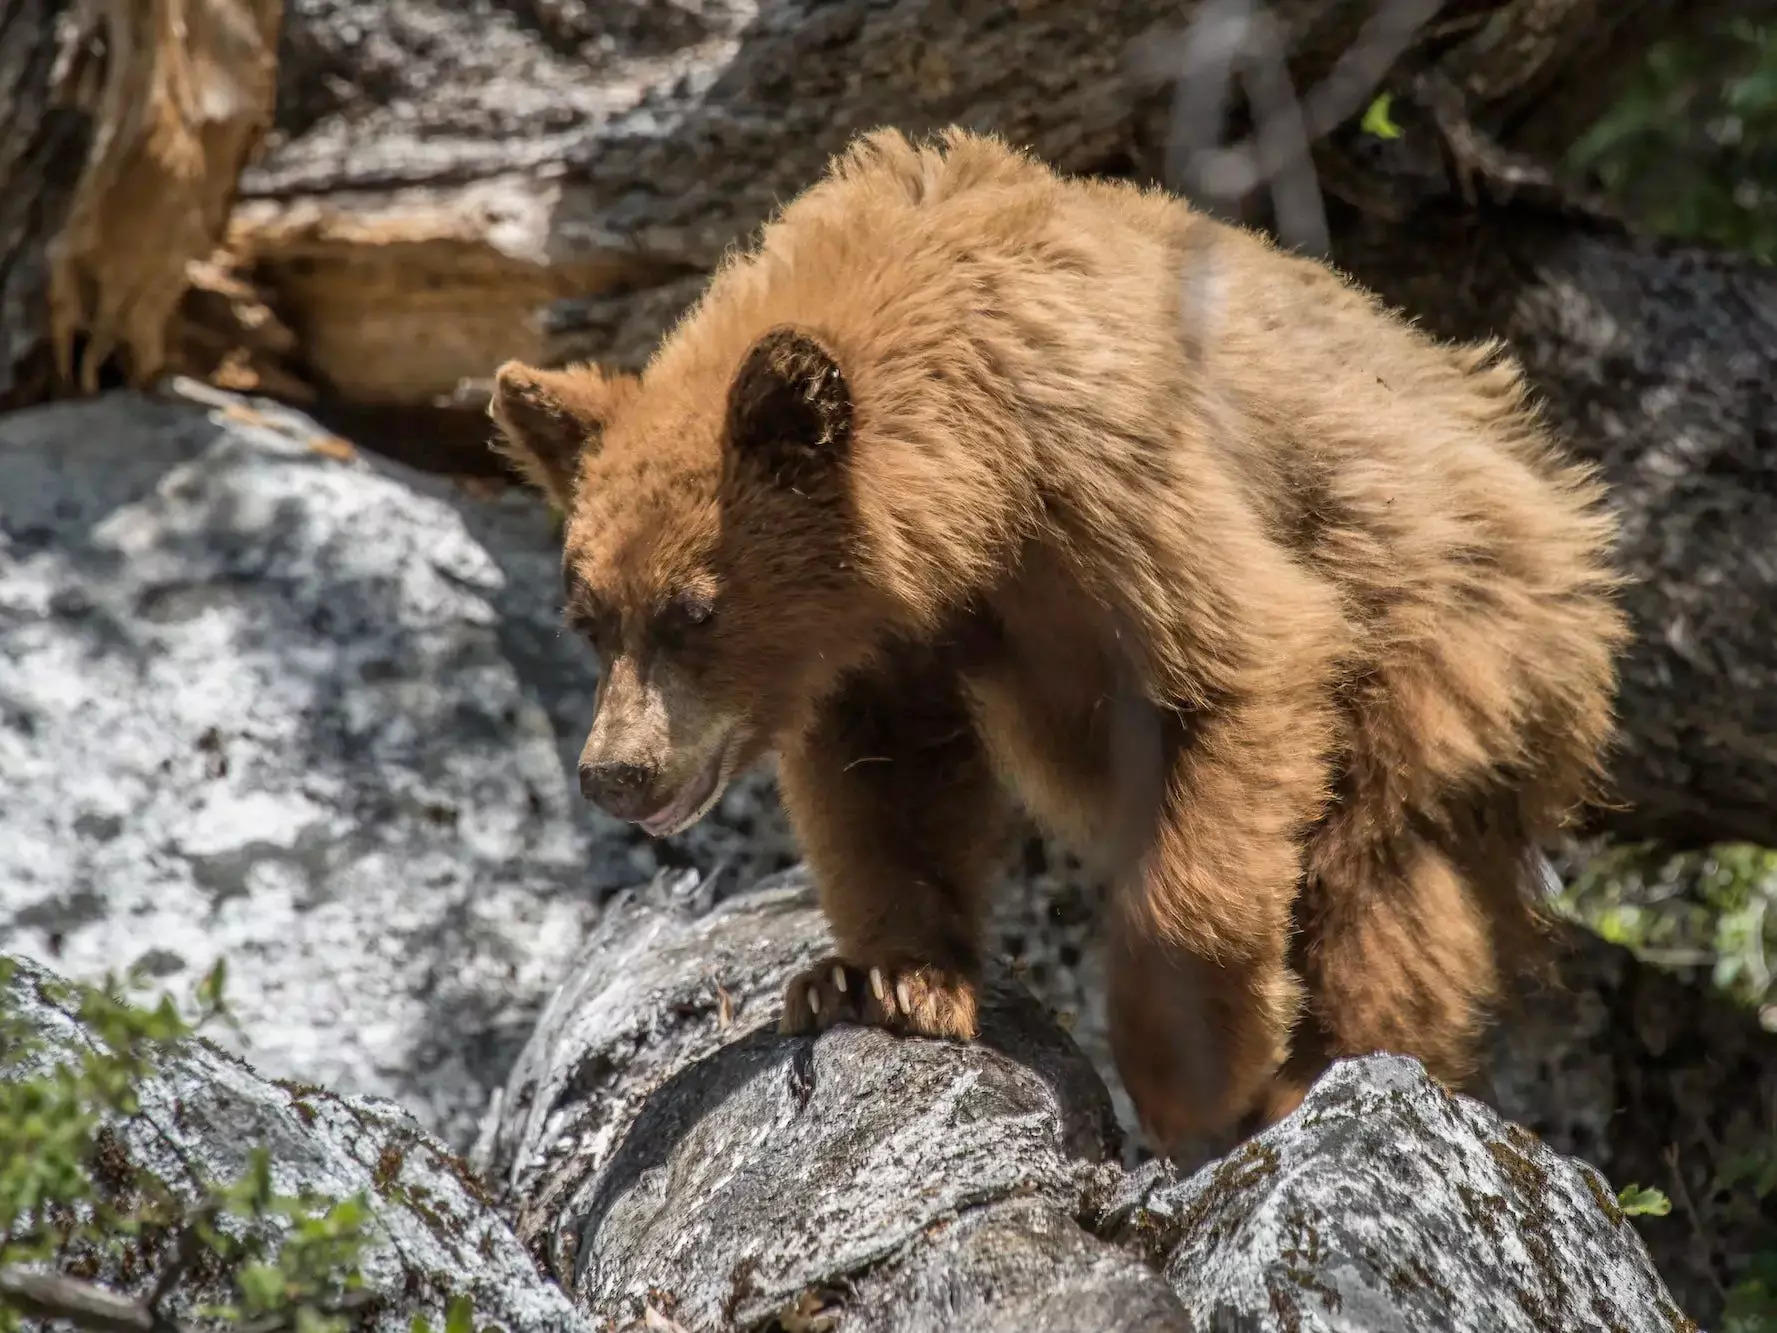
(619, 789)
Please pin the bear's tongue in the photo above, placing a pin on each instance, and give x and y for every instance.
(689, 797)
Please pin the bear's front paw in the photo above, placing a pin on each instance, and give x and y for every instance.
(912, 998)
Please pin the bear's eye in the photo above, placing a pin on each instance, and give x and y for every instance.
(682, 615)
(597, 626)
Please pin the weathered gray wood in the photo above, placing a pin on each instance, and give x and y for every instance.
(439, 173)
(42, 148)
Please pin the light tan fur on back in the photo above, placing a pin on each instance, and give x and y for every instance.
(999, 486)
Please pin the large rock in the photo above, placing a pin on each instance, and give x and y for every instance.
(1387, 1205)
(263, 699)
(432, 1235)
(666, 1147)
(1654, 1078)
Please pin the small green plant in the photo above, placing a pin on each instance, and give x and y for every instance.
(67, 1189)
(1643, 1201)
(459, 1317)
(1712, 915)
(1752, 1301)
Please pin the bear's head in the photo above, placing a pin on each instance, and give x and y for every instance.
(710, 558)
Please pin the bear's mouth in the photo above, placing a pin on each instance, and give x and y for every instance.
(694, 799)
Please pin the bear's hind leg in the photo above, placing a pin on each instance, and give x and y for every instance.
(903, 824)
(1202, 1000)
(1196, 1041)
(1398, 953)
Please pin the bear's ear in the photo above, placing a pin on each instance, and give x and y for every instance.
(548, 419)
(789, 408)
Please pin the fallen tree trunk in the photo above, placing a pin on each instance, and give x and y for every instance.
(123, 129)
(438, 175)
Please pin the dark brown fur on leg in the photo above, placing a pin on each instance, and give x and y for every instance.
(1408, 942)
(1195, 1042)
(903, 824)
(1398, 956)
(1202, 1000)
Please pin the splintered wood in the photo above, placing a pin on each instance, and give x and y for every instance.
(122, 136)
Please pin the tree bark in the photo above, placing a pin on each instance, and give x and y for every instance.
(123, 127)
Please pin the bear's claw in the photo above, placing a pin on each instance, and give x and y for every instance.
(914, 999)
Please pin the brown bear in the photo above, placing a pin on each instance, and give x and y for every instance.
(972, 487)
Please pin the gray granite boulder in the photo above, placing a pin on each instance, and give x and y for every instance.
(264, 699)
(432, 1235)
(1386, 1204)
(666, 1145)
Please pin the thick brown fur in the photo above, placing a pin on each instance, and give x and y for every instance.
(993, 486)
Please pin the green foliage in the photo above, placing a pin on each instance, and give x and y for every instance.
(1752, 1302)
(1690, 149)
(314, 1271)
(458, 1318)
(1713, 914)
(1714, 909)
(66, 1186)
(50, 1122)
(1752, 1299)
(1643, 1201)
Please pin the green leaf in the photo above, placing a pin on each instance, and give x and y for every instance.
(460, 1318)
(1376, 119)
(1637, 1201)
(262, 1285)
(311, 1320)
(209, 990)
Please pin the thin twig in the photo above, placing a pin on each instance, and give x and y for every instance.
(53, 1296)
(1210, 52)
(1480, 168)
(1283, 139)
(1221, 40)
(1683, 1194)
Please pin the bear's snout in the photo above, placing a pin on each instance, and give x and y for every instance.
(621, 790)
